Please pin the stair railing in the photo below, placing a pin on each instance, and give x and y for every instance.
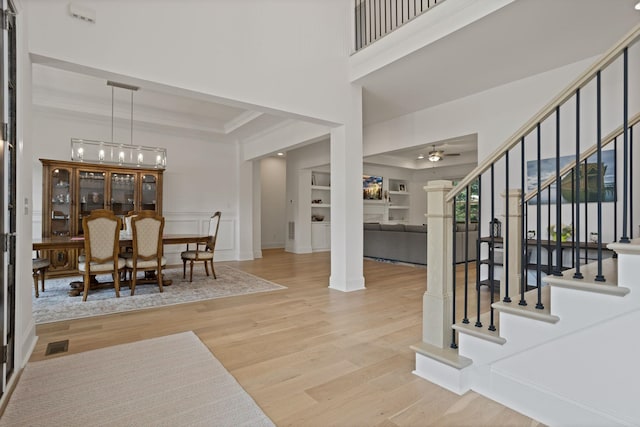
(376, 18)
(564, 171)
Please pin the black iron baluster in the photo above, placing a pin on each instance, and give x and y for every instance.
(453, 279)
(396, 10)
(369, 23)
(466, 255)
(505, 255)
(385, 17)
(600, 190)
(558, 270)
(539, 219)
(492, 251)
(615, 190)
(576, 174)
(375, 21)
(573, 212)
(525, 211)
(549, 251)
(625, 149)
(630, 181)
(586, 209)
(478, 322)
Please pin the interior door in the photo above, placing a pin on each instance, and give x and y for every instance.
(8, 187)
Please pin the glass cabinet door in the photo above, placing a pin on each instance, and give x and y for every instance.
(60, 202)
(123, 187)
(149, 192)
(91, 189)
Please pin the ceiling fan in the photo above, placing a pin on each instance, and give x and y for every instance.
(437, 155)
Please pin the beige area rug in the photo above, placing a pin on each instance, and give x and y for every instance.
(55, 304)
(167, 381)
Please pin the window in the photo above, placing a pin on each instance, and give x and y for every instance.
(460, 203)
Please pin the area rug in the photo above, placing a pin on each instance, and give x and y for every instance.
(167, 381)
(55, 304)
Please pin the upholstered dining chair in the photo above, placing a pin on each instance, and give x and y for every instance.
(147, 228)
(101, 248)
(39, 266)
(202, 252)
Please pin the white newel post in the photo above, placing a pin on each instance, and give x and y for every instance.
(437, 300)
(513, 246)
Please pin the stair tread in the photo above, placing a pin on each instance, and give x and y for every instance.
(588, 283)
(448, 356)
(530, 311)
(632, 247)
(482, 332)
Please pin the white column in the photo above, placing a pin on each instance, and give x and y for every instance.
(257, 210)
(346, 200)
(244, 228)
(514, 244)
(437, 300)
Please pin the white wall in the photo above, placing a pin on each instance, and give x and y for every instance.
(282, 55)
(196, 181)
(273, 180)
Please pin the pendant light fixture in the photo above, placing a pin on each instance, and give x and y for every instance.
(85, 150)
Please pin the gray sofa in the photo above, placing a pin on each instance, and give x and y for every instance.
(408, 243)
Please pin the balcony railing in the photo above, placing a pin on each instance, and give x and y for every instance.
(376, 18)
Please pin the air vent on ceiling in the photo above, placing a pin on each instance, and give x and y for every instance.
(82, 13)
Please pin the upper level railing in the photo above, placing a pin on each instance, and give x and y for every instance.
(571, 169)
(376, 18)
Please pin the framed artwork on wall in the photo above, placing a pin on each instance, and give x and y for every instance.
(371, 187)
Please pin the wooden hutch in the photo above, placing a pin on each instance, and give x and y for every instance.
(71, 190)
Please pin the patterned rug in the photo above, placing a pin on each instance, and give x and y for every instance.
(55, 304)
(167, 381)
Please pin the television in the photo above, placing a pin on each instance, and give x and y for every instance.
(371, 187)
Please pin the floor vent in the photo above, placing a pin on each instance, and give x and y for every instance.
(57, 347)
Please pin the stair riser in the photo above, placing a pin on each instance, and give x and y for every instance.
(577, 309)
(453, 379)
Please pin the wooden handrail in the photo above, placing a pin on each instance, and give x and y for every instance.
(588, 153)
(546, 111)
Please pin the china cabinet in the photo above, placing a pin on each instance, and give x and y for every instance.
(71, 190)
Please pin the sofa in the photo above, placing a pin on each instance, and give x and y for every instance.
(408, 243)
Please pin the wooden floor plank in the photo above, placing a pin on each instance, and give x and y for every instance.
(310, 355)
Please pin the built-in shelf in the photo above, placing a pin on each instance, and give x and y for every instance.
(398, 207)
(321, 187)
(320, 192)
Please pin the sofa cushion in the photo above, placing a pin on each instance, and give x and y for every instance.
(392, 227)
(416, 228)
(372, 226)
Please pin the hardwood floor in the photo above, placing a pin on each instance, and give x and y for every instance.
(309, 355)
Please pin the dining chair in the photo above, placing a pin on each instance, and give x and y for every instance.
(147, 228)
(203, 251)
(39, 266)
(101, 248)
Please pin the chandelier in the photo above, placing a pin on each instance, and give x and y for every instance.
(117, 153)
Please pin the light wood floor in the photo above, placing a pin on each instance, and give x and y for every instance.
(309, 355)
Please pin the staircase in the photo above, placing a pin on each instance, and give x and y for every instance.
(552, 335)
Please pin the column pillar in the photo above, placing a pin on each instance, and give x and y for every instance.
(437, 300)
(346, 200)
(513, 246)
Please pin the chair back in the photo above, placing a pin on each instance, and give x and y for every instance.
(147, 228)
(214, 224)
(101, 235)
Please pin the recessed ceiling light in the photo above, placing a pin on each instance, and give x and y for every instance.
(420, 156)
(638, 6)
(280, 154)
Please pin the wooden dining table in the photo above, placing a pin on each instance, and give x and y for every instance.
(77, 242)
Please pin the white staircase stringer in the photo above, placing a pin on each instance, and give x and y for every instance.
(588, 377)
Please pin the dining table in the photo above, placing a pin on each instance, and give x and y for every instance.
(77, 242)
